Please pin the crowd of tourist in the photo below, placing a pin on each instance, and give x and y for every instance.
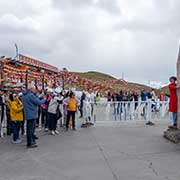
(32, 108)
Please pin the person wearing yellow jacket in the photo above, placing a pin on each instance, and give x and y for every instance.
(72, 104)
(16, 113)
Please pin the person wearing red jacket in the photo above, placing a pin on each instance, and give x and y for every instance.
(173, 103)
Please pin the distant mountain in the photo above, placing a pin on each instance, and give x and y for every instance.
(93, 75)
(165, 89)
(112, 82)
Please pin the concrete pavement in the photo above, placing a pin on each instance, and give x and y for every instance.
(134, 152)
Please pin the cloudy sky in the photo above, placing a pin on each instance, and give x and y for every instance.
(137, 37)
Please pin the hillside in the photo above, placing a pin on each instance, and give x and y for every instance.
(165, 89)
(93, 75)
(109, 82)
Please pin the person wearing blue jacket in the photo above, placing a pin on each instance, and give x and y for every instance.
(30, 103)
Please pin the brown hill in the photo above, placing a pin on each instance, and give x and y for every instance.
(94, 76)
(109, 81)
(165, 89)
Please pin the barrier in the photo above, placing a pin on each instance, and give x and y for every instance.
(131, 111)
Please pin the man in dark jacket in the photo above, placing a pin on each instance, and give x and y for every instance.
(31, 102)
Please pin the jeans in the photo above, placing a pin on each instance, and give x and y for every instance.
(31, 125)
(52, 119)
(22, 127)
(69, 115)
(39, 115)
(44, 119)
(2, 114)
(9, 122)
(16, 128)
(174, 115)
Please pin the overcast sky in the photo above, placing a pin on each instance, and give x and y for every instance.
(137, 37)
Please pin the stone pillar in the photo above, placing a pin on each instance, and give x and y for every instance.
(173, 134)
(178, 90)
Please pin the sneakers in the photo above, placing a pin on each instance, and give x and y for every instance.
(56, 132)
(84, 126)
(52, 133)
(90, 124)
(18, 141)
(36, 138)
(46, 130)
(150, 123)
(32, 146)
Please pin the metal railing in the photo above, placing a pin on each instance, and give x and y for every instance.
(131, 111)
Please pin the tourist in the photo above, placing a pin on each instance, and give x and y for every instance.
(136, 99)
(125, 96)
(60, 114)
(23, 122)
(92, 99)
(44, 107)
(161, 96)
(143, 103)
(88, 110)
(31, 102)
(81, 105)
(143, 96)
(53, 109)
(1, 109)
(114, 97)
(2, 103)
(173, 104)
(16, 113)
(109, 97)
(153, 94)
(98, 97)
(8, 96)
(72, 104)
(149, 106)
(119, 98)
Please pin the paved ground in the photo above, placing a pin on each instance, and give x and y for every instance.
(101, 153)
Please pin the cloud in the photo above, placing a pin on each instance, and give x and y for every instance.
(139, 38)
(110, 6)
(106, 5)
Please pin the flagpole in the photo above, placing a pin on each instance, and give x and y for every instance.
(17, 52)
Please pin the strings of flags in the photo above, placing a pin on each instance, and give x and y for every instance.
(18, 73)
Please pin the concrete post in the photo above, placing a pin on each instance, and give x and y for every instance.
(178, 90)
(173, 134)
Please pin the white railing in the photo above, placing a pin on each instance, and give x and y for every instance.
(131, 111)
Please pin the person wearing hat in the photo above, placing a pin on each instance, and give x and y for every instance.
(31, 102)
(53, 109)
(44, 107)
(173, 103)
